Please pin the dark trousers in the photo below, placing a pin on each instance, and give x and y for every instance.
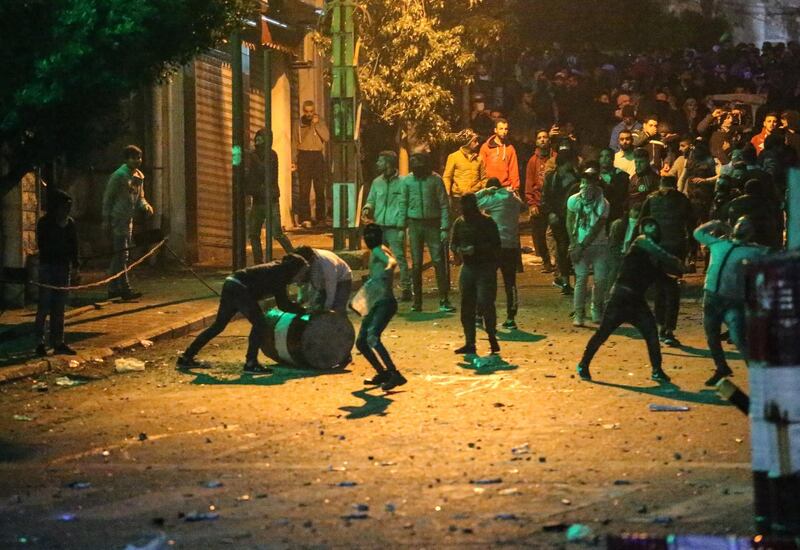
(539, 234)
(51, 303)
(311, 169)
(563, 264)
(121, 241)
(256, 219)
(717, 310)
(625, 306)
(478, 293)
(667, 303)
(235, 299)
(423, 233)
(369, 335)
(509, 265)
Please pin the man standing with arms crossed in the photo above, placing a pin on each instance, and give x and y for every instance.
(383, 208)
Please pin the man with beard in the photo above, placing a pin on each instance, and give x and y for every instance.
(534, 182)
(642, 265)
(623, 159)
(464, 171)
(615, 184)
(644, 181)
(673, 212)
(627, 124)
(500, 158)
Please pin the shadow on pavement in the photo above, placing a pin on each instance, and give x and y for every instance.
(21, 350)
(519, 336)
(138, 309)
(486, 365)
(280, 375)
(704, 352)
(14, 452)
(374, 405)
(672, 391)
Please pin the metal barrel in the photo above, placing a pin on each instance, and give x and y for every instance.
(773, 353)
(317, 340)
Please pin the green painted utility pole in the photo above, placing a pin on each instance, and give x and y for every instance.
(344, 147)
(239, 252)
(267, 60)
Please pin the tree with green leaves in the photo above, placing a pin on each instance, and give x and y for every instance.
(67, 64)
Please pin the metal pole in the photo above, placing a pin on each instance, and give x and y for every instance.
(793, 210)
(267, 60)
(238, 254)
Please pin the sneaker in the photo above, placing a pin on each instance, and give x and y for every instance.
(567, 290)
(306, 225)
(671, 341)
(416, 307)
(395, 379)
(253, 367)
(465, 349)
(494, 346)
(445, 307)
(660, 376)
(583, 372)
(558, 282)
(406, 295)
(717, 376)
(378, 379)
(63, 349)
(41, 350)
(510, 324)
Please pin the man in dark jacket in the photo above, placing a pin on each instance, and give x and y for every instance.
(644, 181)
(558, 187)
(476, 240)
(256, 189)
(763, 212)
(673, 212)
(615, 184)
(240, 294)
(642, 265)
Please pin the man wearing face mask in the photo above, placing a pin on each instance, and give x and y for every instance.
(614, 183)
(587, 217)
(500, 157)
(424, 210)
(383, 207)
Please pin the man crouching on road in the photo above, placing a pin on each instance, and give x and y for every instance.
(240, 294)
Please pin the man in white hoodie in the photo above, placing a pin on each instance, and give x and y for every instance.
(504, 207)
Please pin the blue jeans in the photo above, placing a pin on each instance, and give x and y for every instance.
(51, 303)
(717, 310)
(369, 335)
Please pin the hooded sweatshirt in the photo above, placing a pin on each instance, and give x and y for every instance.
(500, 160)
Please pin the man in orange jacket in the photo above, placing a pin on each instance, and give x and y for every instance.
(500, 157)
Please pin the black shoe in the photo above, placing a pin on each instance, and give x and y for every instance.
(130, 294)
(660, 376)
(465, 349)
(717, 376)
(378, 379)
(510, 324)
(670, 340)
(186, 362)
(583, 372)
(395, 379)
(41, 350)
(547, 269)
(347, 361)
(406, 296)
(253, 367)
(63, 349)
(445, 307)
(567, 290)
(494, 346)
(416, 307)
(559, 282)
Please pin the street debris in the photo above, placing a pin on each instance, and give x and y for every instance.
(657, 407)
(506, 517)
(487, 481)
(142, 436)
(146, 343)
(662, 520)
(149, 542)
(201, 516)
(621, 482)
(23, 417)
(357, 515)
(390, 507)
(40, 387)
(523, 449)
(199, 410)
(346, 484)
(66, 381)
(66, 516)
(361, 507)
(577, 532)
(74, 364)
(554, 527)
(508, 492)
(614, 426)
(79, 485)
(566, 501)
(213, 484)
(128, 364)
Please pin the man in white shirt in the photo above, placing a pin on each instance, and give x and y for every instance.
(623, 159)
(330, 279)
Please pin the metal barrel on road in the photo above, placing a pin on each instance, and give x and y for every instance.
(773, 353)
(317, 340)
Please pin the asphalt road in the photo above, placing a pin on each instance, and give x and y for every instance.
(510, 454)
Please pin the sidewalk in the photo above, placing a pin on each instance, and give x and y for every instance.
(174, 303)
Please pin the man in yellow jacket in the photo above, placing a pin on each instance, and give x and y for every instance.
(464, 172)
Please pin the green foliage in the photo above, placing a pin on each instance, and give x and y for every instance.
(68, 63)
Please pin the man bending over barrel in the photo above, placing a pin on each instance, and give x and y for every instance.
(330, 278)
(240, 294)
(382, 307)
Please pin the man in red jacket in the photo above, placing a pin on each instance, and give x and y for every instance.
(534, 181)
(500, 157)
(770, 125)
